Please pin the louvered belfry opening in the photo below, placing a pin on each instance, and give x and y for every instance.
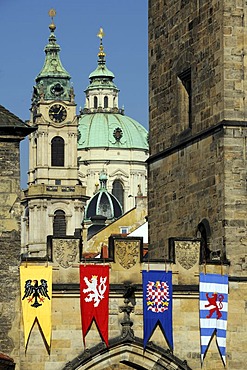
(59, 224)
(105, 102)
(95, 102)
(57, 151)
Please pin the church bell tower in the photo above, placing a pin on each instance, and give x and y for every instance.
(54, 199)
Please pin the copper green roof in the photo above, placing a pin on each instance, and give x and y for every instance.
(101, 77)
(101, 71)
(106, 126)
(111, 130)
(52, 66)
(53, 81)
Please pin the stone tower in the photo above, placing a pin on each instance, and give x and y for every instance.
(198, 131)
(55, 199)
(198, 123)
(12, 131)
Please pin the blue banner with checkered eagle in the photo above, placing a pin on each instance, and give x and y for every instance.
(157, 304)
(213, 312)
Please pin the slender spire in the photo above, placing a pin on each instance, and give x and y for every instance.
(52, 66)
(53, 81)
(102, 93)
(101, 70)
(101, 53)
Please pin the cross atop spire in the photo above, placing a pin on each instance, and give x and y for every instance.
(101, 53)
(101, 34)
(52, 12)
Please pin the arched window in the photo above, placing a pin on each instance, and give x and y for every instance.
(118, 191)
(95, 102)
(57, 151)
(59, 224)
(105, 102)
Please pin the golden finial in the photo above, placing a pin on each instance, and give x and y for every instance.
(101, 33)
(52, 12)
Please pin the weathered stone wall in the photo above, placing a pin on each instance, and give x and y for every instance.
(67, 341)
(206, 179)
(183, 35)
(184, 188)
(9, 248)
(206, 176)
(187, 334)
(234, 44)
(235, 203)
(200, 172)
(209, 37)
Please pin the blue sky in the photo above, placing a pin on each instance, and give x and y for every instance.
(24, 33)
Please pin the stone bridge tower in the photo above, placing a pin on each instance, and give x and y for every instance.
(198, 131)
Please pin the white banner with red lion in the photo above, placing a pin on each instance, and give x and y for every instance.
(213, 312)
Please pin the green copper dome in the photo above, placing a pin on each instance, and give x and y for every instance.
(112, 130)
(101, 123)
(101, 71)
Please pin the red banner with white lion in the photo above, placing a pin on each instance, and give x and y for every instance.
(94, 296)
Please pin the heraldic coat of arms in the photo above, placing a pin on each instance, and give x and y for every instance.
(36, 293)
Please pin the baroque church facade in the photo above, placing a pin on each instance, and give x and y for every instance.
(109, 140)
(68, 153)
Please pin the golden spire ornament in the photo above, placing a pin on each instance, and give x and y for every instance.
(52, 13)
(101, 33)
(101, 53)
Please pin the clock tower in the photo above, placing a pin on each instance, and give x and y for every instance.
(54, 200)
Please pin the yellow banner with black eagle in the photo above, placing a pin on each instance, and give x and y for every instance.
(36, 295)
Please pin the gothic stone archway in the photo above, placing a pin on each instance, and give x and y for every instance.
(126, 353)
